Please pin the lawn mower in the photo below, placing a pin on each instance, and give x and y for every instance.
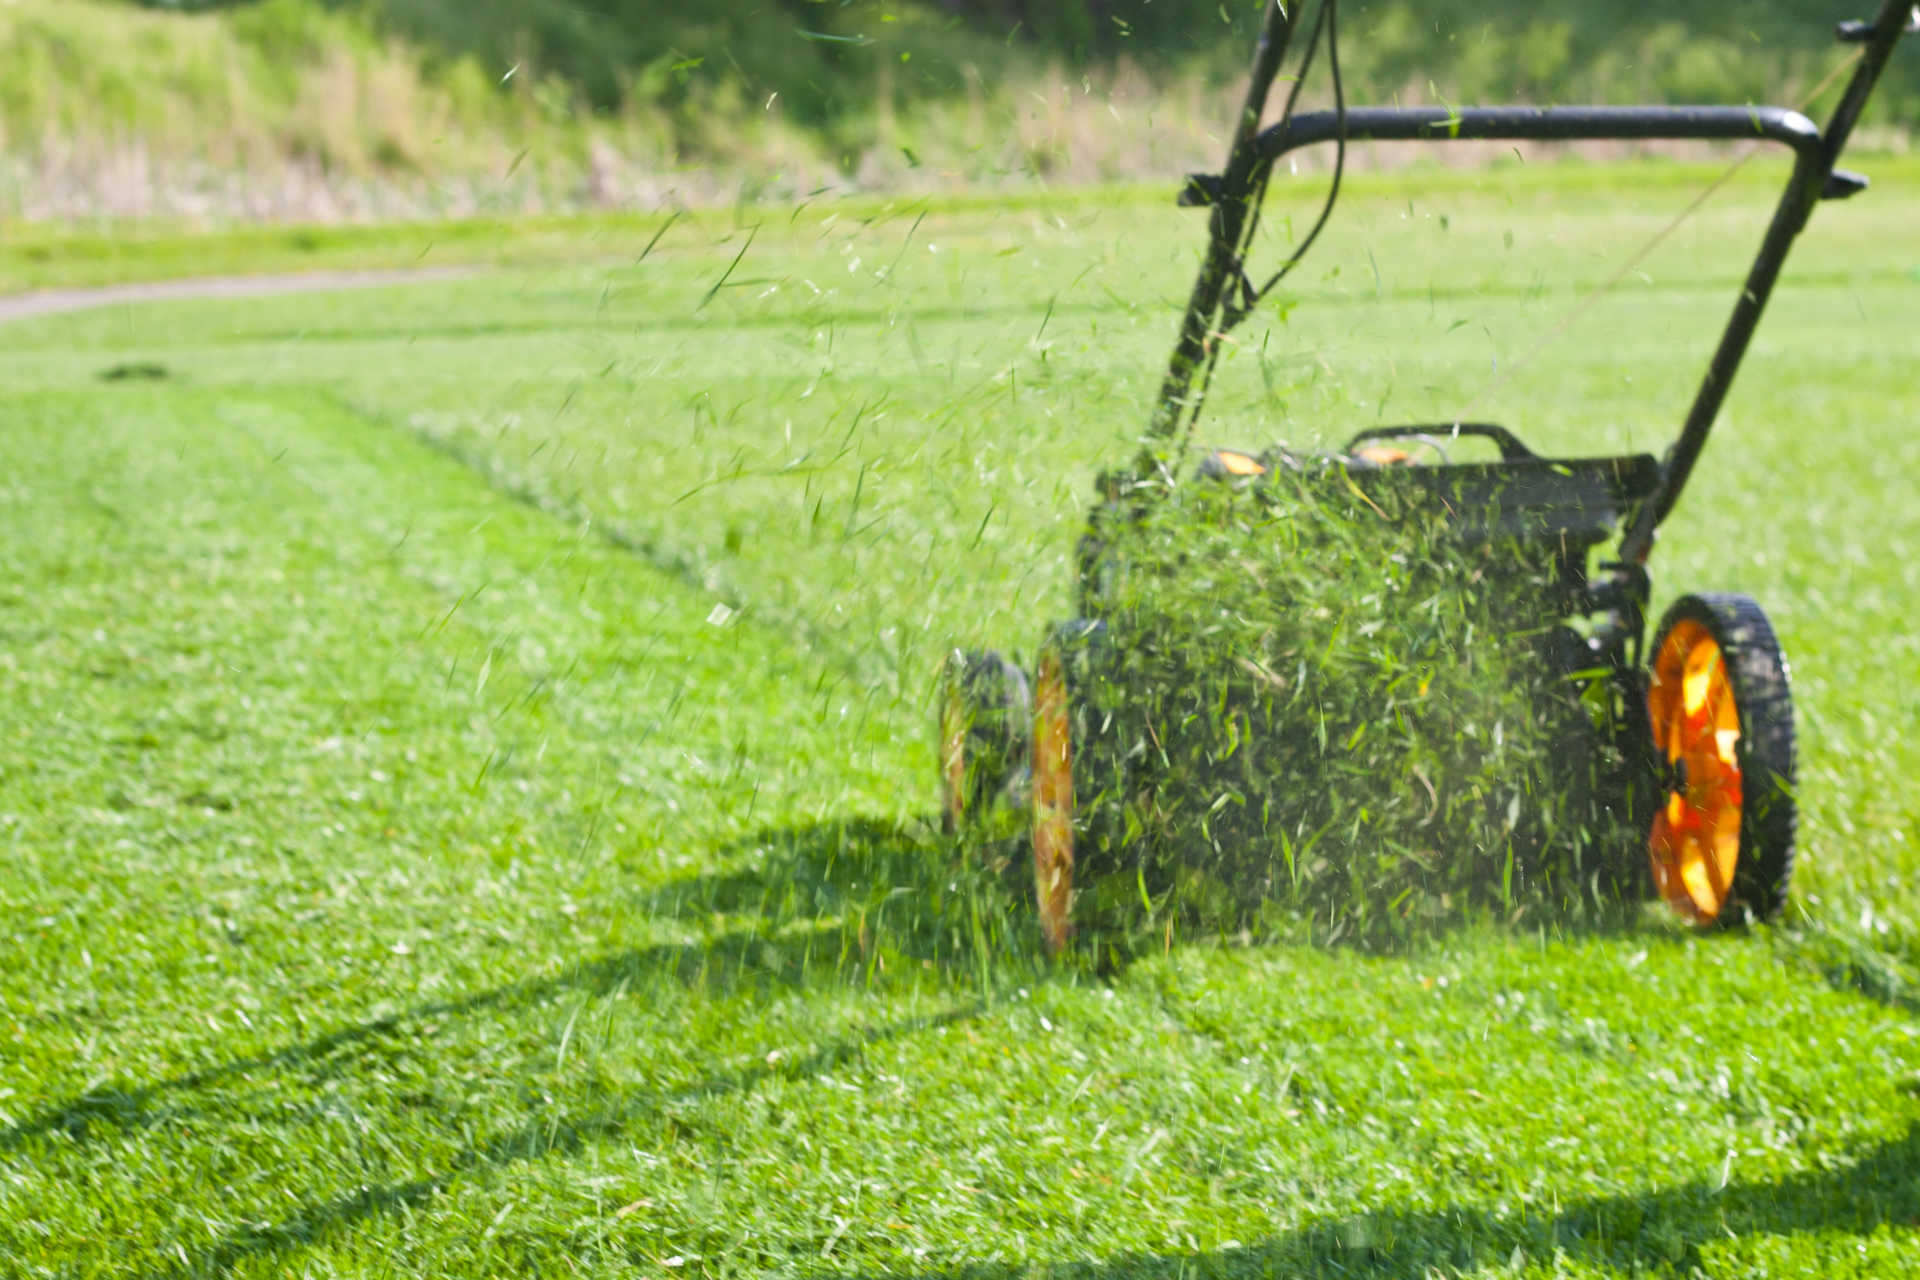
(1707, 737)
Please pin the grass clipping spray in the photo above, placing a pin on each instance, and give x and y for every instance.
(1315, 706)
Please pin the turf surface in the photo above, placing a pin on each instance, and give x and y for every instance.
(466, 776)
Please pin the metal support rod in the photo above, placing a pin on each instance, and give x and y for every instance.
(1796, 205)
(1229, 220)
(1897, 18)
(1803, 192)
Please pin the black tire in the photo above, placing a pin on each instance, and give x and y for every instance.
(985, 712)
(1760, 784)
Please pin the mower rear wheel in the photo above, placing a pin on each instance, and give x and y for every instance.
(985, 706)
(1720, 709)
(1070, 772)
(1053, 811)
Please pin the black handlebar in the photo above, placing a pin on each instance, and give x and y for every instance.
(1545, 124)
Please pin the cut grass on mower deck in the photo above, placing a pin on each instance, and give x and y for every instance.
(467, 782)
(1321, 710)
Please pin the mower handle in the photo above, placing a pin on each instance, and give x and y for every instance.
(1545, 124)
(1511, 450)
(1814, 178)
(1229, 221)
(1863, 32)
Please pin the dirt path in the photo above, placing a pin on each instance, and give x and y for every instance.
(46, 302)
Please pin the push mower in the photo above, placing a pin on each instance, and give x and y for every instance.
(1709, 733)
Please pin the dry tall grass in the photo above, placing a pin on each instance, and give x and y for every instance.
(109, 111)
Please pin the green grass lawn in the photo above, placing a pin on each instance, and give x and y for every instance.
(466, 777)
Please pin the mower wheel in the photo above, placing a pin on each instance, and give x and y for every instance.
(1060, 742)
(1720, 709)
(985, 710)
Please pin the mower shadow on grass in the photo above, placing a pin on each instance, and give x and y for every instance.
(852, 902)
(756, 937)
(861, 903)
(1850, 960)
(313, 1223)
(819, 905)
(1668, 1230)
(897, 895)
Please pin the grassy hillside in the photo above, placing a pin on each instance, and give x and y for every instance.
(331, 108)
(825, 59)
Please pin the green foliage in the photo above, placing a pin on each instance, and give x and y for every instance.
(825, 56)
(825, 59)
(1612, 51)
(945, 85)
(1332, 692)
(1154, 30)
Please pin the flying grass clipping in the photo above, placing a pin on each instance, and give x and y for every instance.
(1326, 697)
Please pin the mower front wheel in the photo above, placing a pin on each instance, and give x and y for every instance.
(1720, 709)
(1061, 789)
(1053, 799)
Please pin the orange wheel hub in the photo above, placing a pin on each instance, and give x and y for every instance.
(1695, 841)
(1052, 801)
